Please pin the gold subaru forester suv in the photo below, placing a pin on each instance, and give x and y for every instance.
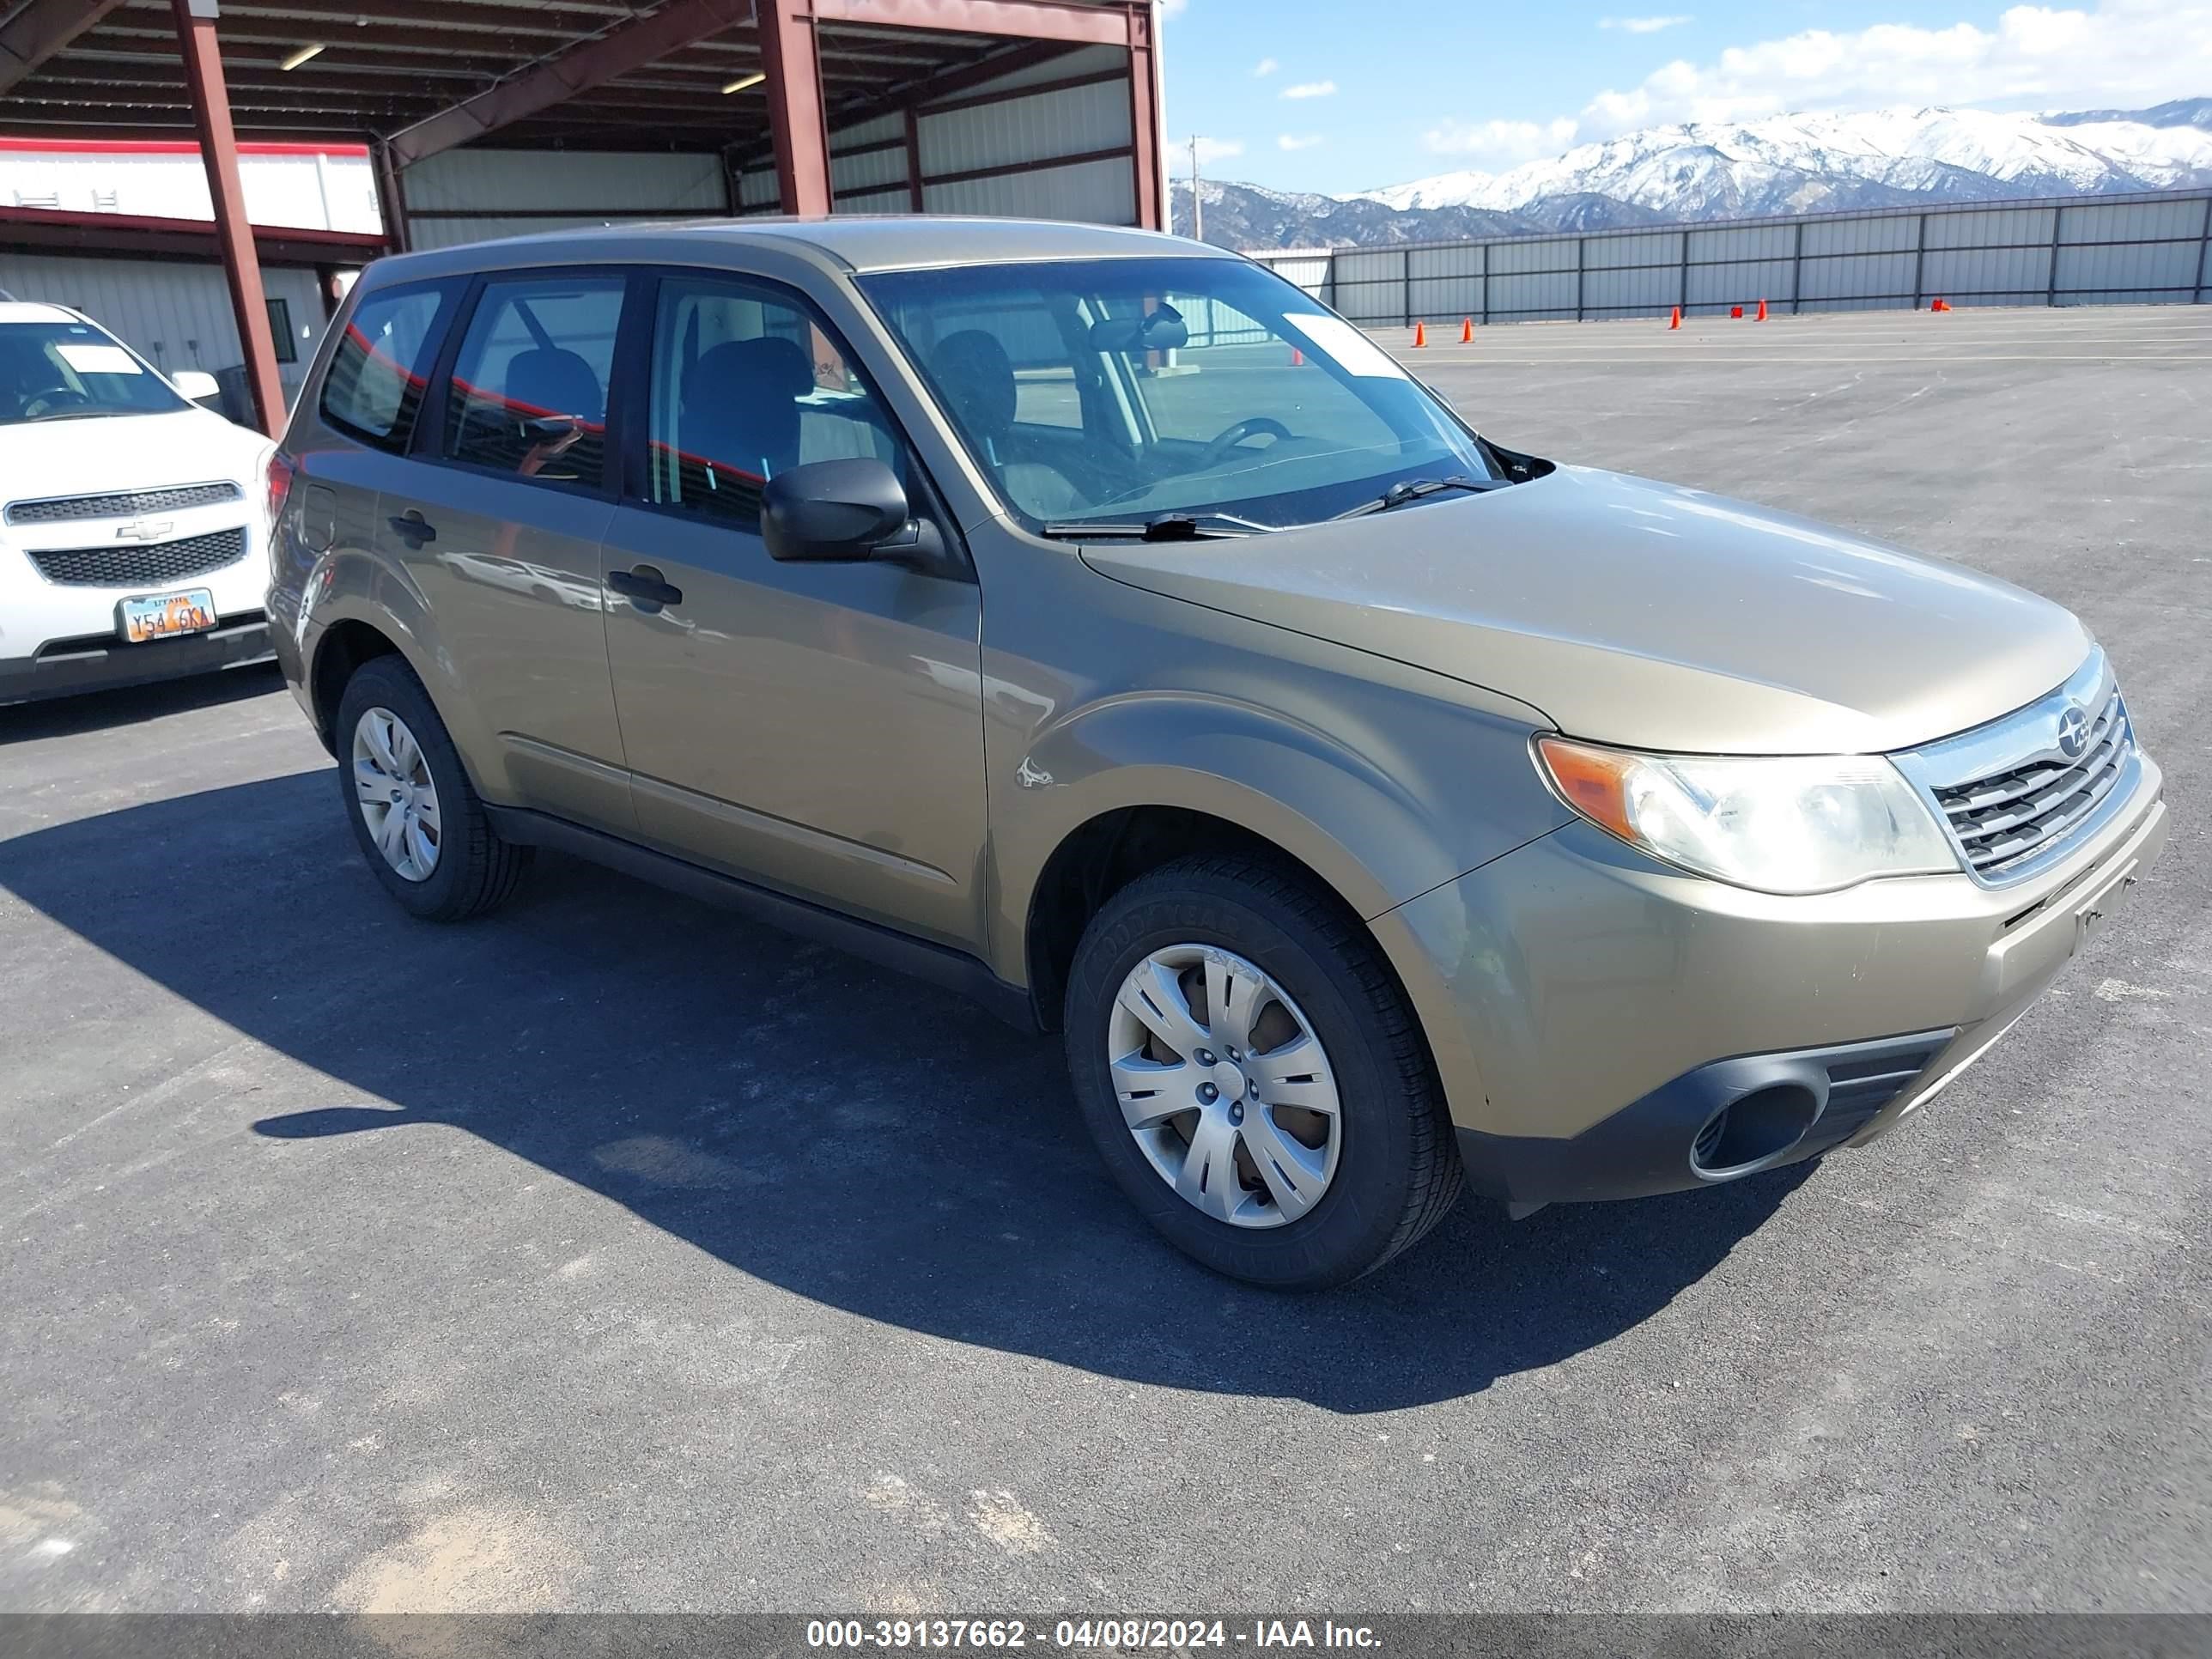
(1092, 622)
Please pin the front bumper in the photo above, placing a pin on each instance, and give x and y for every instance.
(1592, 1012)
(67, 667)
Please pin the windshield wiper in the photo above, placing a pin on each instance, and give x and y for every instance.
(1166, 528)
(1412, 489)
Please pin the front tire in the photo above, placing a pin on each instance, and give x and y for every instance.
(1254, 1077)
(416, 818)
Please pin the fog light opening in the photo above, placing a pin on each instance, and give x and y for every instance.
(1752, 1129)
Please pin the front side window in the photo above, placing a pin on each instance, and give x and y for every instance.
(1167, 386)
(529, 392)
(746, 385)
(382, 362)
(69, 371)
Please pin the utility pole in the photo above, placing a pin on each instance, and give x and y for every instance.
(1197, 210)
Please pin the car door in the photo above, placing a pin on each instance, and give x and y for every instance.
(816, 727)
(499, 521)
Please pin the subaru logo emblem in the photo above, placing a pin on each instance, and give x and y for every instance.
(2073, 732)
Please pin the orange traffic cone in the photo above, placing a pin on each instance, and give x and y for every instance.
(1466, 331)
(1938, 304)
(1420, 334)
(1298, 358)
(1675, 321)
(1762, 311)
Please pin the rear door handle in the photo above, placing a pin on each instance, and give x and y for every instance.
(411, 528)
(644, 586)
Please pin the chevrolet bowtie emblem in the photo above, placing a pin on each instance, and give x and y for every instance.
(145, 530)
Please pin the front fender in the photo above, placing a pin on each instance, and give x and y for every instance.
(1336, 811)
(1367, 803)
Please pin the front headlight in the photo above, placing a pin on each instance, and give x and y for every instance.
(1776, 824)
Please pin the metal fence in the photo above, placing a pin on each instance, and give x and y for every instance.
(2150, 248)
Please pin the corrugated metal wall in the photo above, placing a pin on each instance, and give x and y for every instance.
(175, 313)
(473, 195)
(2092, 251)
(1061, 152)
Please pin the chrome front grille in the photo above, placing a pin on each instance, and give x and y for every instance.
(2012, 796)
(2004, 819)
(126, 504)
(129, 564)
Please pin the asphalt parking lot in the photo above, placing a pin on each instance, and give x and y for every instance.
(614, 1253)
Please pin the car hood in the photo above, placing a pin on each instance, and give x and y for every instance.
(43, 458)
(1645, 614)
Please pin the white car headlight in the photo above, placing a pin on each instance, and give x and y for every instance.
(1776, 824)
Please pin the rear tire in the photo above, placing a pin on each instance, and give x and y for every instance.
(1349, 1188)
(404, 789)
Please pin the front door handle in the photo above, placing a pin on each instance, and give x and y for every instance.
(411, 528)
(644, 586)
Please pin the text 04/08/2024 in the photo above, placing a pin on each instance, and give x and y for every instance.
(982, 1635)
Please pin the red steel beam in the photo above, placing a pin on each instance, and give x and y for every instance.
(42, 29)
(791, 57)
(1028, 20)
(1145, 122)
(618, 51)
(233, 230)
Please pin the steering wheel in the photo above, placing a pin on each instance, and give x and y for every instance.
(1253, 426)
(54, 398)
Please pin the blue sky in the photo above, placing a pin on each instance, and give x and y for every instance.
(1323, 95)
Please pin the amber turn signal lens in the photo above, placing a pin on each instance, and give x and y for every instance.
(1593, 781)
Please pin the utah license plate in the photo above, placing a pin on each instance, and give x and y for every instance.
(163, 615)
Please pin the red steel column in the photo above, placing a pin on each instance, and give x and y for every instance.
(789, 56)
(1144, 119)
(234, 233)
(913, 160)
(391, 197)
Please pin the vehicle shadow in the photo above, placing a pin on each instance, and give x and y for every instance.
(64, 717)
(846, 1134)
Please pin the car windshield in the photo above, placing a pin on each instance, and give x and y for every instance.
(1121, 394)
(62, 371)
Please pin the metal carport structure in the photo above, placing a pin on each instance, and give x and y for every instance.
(801, 106)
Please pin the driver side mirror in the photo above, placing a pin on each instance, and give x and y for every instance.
(845, 511)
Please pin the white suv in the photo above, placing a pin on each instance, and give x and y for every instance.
(133, 544)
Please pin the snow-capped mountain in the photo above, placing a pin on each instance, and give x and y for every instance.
(1814, 163)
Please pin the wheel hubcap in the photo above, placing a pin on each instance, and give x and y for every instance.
(399, 801)
(1225, 1086)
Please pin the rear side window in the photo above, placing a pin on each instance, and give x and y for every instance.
(374, 388)
(529, 394)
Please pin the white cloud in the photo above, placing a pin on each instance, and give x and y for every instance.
(1310, 90)
(1217, 149)
(2117, 53)
(1297, 140)
(1642, 25)
(1264, 67)
(1502, 142)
